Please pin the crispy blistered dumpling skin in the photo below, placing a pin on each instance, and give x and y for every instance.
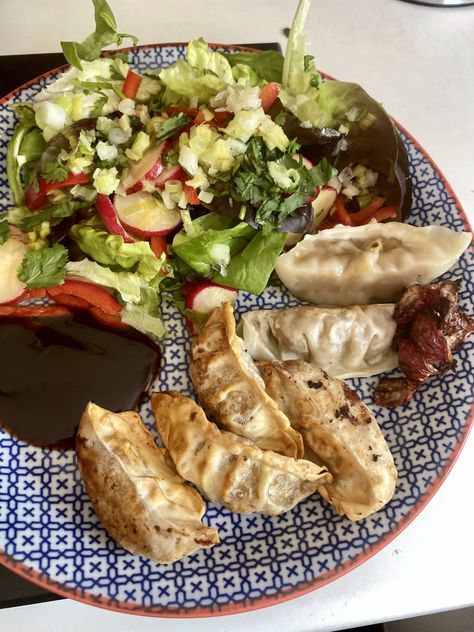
(228, 469)
(135, 490)
(339, 431)
(231, 390)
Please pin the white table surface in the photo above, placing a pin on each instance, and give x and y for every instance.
(418, 62)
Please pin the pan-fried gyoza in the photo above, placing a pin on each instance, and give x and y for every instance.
(229, 469)
(135, 490)
(231, 390)
(339, 431)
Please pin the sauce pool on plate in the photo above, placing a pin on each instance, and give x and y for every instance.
(51, 367)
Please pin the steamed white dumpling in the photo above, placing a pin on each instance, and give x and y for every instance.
(343, 341)
(348, 265)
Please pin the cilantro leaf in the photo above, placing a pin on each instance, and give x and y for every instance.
(98, 106)
(323, 172)
(44, 268)
(54, 172)
(270, 203)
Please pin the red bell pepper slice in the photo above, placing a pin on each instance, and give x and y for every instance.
(110, 320)
(178, 109)
(93, 294)
(159, 246)
(341, 214)
(33, 311)
(35, 199)
(386, 212)
(71, 301)
(131, 84)
(269, 95)
(375, 210)
(220, 118)
(37, 292)
(199, 119)
(71, 180)
(191, 195)
(360, 216)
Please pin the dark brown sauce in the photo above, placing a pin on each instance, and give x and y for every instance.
(51, 367)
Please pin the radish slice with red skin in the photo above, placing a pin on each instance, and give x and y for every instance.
(171, 173)
(205, 297)
(144, 215)
(322, 205)
(11, 256)
(148, 167)
(108, 214)
(306, 161)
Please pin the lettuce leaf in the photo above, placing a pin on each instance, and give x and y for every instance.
(299, 73)
(268, 65)
(246, 74)
(184, 80)
(200, 57)
(111, 250)
(141, 300)
(105, 33)
(141, 319)
(252, 268)
(214, 231)
(127, 284)
(25, 127)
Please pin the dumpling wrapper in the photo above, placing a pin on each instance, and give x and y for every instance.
(339, 431)
(228, 469)
(357, 265)
(135, 490)
(232, 391)
(343, 341)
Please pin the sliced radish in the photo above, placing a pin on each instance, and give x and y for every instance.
(148, 168)
(171, 173)
(144, 215)
(108, 214)
(205, 297)
(11, 256)
(323, 204)
(306, 161)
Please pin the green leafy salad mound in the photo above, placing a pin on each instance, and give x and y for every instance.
(141, 183)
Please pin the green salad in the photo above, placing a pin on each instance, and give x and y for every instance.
(199, 172)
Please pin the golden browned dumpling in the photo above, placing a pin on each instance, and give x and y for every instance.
(135, 489)
(229, 469)
(339, 431)
(231, 390)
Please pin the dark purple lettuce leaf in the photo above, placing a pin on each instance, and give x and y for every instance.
(372, 140)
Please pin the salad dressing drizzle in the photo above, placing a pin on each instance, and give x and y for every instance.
(51, 367)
